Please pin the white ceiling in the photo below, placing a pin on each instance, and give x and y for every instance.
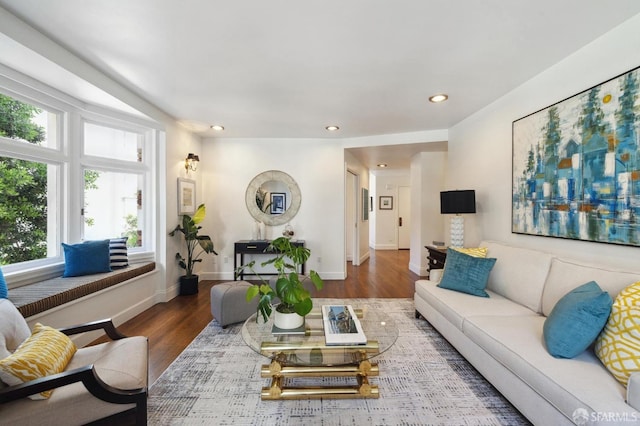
(287, 69)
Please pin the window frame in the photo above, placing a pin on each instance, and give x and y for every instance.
(90, 162)
(68, 156)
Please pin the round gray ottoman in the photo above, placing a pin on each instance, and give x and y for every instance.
(229, 304)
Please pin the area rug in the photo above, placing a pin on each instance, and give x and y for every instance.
(423, 381)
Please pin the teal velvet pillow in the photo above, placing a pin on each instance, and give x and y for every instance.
(576, 320)
(3, 286)
(467, 274)
(90, 257)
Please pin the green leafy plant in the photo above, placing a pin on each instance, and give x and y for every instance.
(190, 228)
(289, 288)
(261, 199)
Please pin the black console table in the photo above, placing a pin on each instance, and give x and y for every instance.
(436, 257)
(243, 247)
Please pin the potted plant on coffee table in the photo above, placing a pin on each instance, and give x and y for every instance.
(197, 245)
(288, 287)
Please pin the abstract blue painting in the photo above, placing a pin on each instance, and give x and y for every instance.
(576, 166)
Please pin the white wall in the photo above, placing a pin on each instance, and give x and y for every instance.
(316, 165)
(480, 146)
(427, 224)
(362, 172)
(179, 143)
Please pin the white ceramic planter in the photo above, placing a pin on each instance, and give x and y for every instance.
(287, 321)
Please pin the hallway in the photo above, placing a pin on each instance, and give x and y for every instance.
(385, 274)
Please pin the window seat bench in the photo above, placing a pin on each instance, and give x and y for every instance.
(41, 296)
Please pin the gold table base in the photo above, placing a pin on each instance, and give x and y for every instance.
(278, 371)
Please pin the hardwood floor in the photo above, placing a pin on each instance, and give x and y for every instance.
(171, 326)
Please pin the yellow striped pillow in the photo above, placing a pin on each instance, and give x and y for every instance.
(472, 251)
(618, 346)
(47, 351)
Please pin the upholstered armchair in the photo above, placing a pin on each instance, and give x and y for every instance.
(101, 384)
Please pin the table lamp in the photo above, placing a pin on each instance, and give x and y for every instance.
(457, 203)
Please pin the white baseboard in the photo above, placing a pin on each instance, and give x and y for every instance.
(418, 269)
(385, 247)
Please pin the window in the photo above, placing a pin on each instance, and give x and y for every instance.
(108, 142)
(91, 183)
(121, 194)
(25, 122)
(27, 195)
(122, 191)
(28, 187)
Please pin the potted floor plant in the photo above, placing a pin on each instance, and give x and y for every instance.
(294, 299)
(197, 245)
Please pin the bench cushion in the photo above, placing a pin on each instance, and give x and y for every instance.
(38, 297)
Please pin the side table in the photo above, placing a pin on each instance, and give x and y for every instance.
(243, 247)
(436, 257)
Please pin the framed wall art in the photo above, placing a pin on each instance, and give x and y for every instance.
(278, 202)
(576, 166)
(186, 196)
(385, 202)
(365, 204)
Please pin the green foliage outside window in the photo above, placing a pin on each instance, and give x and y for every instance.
(23, 188)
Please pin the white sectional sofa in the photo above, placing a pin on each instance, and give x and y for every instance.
(502, 337)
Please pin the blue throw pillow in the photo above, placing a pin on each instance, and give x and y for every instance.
(3, 286)
(90, 257)
(467, 274)
(576, 320)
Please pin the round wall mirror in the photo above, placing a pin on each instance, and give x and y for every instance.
(273, 197)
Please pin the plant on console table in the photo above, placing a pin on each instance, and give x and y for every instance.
(295, 299)
(197, 245)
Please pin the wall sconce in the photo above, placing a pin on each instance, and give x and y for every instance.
(457, 202)
(191, 162)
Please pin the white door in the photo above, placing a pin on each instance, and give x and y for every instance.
(404, 217)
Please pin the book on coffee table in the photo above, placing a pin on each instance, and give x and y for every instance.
(341, 326)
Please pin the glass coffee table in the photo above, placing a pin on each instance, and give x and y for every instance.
(307, 355)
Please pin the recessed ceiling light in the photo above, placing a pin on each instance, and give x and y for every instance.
(217, 127)
(332, 128)
(438, 98)
(383, 165)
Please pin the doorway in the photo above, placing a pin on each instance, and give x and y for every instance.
(404, 218)
(352, 235)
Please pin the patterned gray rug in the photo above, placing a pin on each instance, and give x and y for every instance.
(423, 381)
